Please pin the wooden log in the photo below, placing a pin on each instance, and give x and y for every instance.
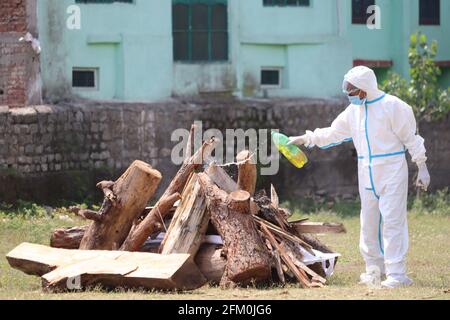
(133, 191)
(318, 227)
(151, 224)
(189, 224)
(221, 178)
(58, 267)
(70, 238)
(67, 238)
(247, 172)
(247, 257)
(211, 262)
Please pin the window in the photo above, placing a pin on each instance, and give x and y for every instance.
(285, 3)
(429, 12)
(84, 78)
(102, 1)
(271, 78)
(359, 11)
(200, 30)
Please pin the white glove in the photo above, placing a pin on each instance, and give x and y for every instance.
(423, 177)
(300, 140)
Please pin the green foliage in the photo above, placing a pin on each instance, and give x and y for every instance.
(432, 204)
(422, 92)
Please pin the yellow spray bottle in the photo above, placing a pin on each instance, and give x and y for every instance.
(291, 152)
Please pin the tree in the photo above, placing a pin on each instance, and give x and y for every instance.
(422, 92)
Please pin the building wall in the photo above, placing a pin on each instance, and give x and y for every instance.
(135, 60)
(130, 44)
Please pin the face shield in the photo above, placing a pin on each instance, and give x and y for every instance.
(349, 89)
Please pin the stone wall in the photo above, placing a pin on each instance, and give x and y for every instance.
(60, 152)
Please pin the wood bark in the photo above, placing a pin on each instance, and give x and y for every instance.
(132, 191)
(151, 224)
(247, 258)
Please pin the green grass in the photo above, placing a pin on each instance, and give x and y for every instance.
(428, 258)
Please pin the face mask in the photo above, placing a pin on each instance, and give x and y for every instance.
(356, 100)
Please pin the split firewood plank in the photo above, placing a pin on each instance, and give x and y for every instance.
(299, 274)
(211, 262)
(133, 190)
(189, 224)
(247, 172)
(67, 238)
(318, 227)
(152, 223)
(274, 197)
(247, 258)
(107, 268)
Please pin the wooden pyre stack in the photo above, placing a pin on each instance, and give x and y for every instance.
(206, 227)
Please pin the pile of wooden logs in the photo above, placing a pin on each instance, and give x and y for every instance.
(206, 227)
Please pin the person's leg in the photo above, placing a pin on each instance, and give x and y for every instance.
(393, 207)
(370, 241)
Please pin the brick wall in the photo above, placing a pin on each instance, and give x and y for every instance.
(19, 65)
(61, 152)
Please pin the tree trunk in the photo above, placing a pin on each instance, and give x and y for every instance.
(247, 258)
(247, 172)
(152, 223)
(189, 223)
(132, 191)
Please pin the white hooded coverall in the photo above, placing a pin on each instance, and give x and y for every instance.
(382, 129)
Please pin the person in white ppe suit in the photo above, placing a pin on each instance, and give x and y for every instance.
(382, 128)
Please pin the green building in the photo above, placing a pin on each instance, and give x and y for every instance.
(148, 50)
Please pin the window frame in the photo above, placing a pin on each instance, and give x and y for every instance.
(272, 86)
(360, 20)
(428, 21)
(210, 31)
(96, 78)
(285, 4)
(104, 1)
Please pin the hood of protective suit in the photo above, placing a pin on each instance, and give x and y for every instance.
(365, 79)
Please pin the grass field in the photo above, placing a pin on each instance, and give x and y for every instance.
(428, 259)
